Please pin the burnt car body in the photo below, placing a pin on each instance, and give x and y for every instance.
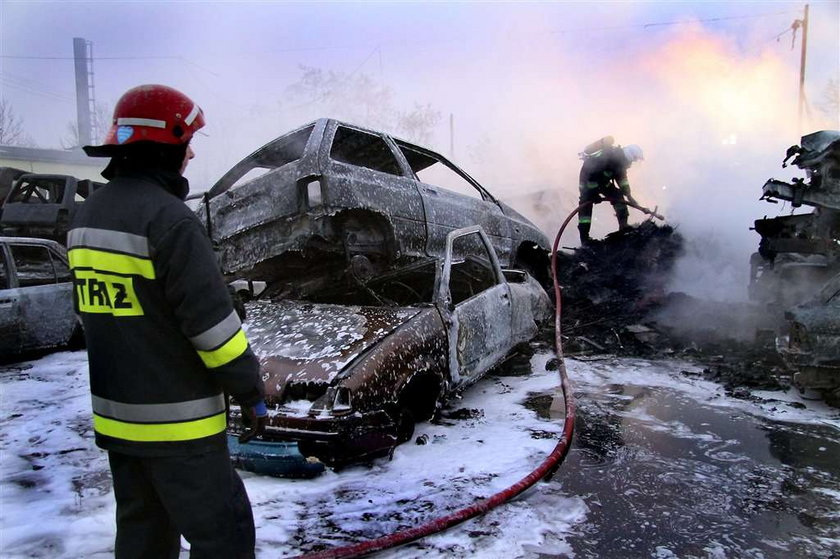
(798, 253)
(812, 346)
(36, 303)
(332, 202)
(350, 380)
(41, 205)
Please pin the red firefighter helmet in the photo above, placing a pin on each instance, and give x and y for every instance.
(150, 113)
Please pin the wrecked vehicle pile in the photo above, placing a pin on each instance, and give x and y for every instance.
(392, 281)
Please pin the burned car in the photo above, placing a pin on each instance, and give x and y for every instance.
(335, 203)
(798, 253)
(41, 205)
(812, 346)
(350, 370)
(36, 303)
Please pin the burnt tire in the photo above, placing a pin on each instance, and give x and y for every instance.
(404, 421)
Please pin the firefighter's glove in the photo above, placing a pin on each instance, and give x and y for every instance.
(254, 419)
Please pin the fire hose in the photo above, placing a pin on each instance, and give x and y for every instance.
(545, 469)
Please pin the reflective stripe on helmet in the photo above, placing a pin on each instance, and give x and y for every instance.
(191, 117)
(227, 352)
(160, 432)
(141, 122)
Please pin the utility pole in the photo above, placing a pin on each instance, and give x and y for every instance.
(803, 23)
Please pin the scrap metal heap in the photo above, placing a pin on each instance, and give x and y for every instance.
(615, 302)
(796, 270)
(798, 253)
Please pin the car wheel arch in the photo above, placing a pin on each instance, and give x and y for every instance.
(421, 395)
(533, 259)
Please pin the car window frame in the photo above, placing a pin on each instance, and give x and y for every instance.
(484, 193)
(13, 266)
(444, 293)
(329, 140)
(230, 179)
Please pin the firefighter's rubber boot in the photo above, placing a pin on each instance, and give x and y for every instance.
(583, 229)
(622, 220)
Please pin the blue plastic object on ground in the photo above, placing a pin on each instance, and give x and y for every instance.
(278, 459)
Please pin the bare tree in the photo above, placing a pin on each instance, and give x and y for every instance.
(360, 99)
(101, 118)
(11, 128)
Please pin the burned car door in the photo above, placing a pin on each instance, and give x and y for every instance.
(9, 309)
(44, 295)
(479, 303)
(364, 173)
(452, 199)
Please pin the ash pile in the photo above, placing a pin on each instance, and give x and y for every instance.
(615, 302)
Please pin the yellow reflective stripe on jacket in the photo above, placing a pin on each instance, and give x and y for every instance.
(160, 432)
(227, 352)
(111, 262)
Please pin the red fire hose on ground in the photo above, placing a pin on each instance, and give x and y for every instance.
(547, 467)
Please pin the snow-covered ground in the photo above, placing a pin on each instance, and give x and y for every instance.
(650, 436)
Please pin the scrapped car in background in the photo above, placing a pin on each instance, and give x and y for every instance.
(812, 346)
(350, 370)
(36, 303)
(41, 205)
(798, 253)
(335, 203)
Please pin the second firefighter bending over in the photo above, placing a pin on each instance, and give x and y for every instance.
(604, 176)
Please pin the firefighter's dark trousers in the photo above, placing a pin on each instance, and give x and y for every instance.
(200, 496)
(594, 195)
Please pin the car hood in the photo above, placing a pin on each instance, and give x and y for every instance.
(306, 343)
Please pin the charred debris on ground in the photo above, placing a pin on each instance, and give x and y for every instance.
(615, 302)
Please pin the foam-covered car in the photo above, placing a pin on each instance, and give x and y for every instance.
(335, 203)
(36, 302)
(350, 380)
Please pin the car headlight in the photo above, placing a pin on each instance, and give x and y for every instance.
(343, 401)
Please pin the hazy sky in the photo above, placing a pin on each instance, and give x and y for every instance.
(708, 89)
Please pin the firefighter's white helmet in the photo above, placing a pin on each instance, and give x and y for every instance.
(633, 153)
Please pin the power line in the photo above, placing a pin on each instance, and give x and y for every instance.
(320, 48)
(31, 86)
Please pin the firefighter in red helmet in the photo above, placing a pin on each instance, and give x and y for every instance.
(164, 342)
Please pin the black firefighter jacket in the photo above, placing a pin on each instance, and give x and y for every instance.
(163, 339)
